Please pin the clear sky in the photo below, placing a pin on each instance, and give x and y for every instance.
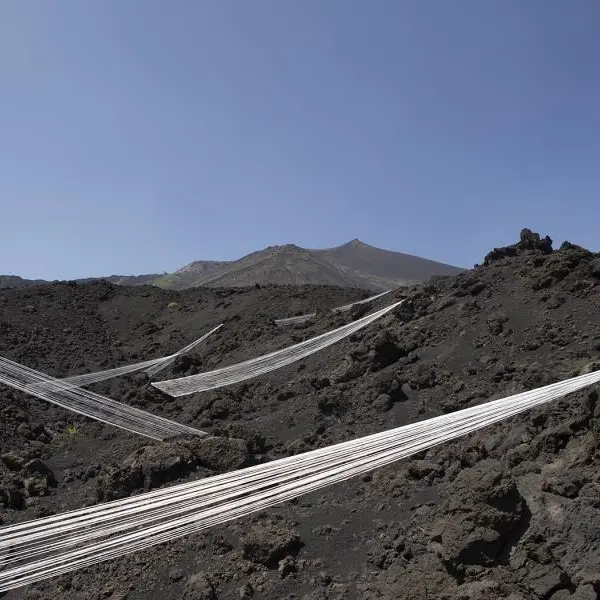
(139, 135)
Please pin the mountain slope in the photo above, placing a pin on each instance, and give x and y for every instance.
(383, 265)
(281, 265)
(187, 276)
(354, 264)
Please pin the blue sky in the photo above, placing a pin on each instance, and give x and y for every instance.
(139, 135)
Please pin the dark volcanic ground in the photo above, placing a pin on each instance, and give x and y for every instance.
(512, 511)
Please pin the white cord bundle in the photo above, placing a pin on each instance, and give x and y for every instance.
(297, 320)
(266, 363)
(168, 360)
(151, 367)
(90, 404)
(346, 307)
(51, 546)
(94, 405)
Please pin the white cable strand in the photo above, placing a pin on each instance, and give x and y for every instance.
(128, 418)
(90, 404)
(330, 451)
(151, 367)
(168, 360)
(62, 543)
(266, 363)
(299, 319)
(347, 307)
(89, 378)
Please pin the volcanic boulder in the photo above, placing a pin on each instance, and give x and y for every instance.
(485, 515)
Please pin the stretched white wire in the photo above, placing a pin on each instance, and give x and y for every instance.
(346, 307)
(296, 320)
(90, 404)
(89, 378)
(62, 543)
(47, 389)
(266, 363)
(168, 360)
(151, 367)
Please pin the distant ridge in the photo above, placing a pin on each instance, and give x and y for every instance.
(354, 264)
(14, 281)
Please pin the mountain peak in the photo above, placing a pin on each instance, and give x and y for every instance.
(355, 243)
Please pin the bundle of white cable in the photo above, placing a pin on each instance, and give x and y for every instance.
(99, 407)
(97, 376)
(51, 546)
(346, 307)
(158, 367)
(152, 367)
(297, 320)
(266, 363)
(90, 404)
